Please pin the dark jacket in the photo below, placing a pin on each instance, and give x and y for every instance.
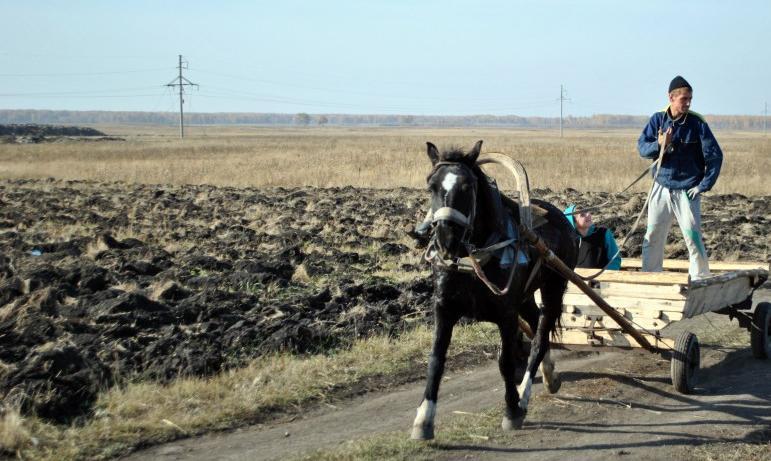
(593, 249)
(597, 247)
(694, 157)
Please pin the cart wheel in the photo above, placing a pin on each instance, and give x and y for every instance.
(759, 331)
(685, 362)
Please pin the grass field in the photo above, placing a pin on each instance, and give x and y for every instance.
(364, 157)
(267, 157)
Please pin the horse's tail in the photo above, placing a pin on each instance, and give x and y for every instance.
(561, 238)
(556, 330)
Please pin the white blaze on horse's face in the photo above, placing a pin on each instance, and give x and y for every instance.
(449, 182)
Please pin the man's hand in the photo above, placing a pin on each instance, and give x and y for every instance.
(665, 137)
(693, 192)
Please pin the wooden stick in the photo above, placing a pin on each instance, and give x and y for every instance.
(557, 264)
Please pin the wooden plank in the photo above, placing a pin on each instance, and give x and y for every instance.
(712, 297)
(610, 338)
(753, 277)
(674, 292)
(655, 278)
(665, 316)
(635, 290)
(618, 302)
(575, 320)
(648, 308)
(714, 266)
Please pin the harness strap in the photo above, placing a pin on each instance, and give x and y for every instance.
(451, 214)
(481, 276)
(494, 247)
(532, 273)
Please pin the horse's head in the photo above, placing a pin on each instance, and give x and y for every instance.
(453, 186)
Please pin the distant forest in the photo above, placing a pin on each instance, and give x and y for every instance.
(731, 122)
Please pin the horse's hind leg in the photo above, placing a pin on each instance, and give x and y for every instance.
(423, 426)
(514, 415)
(539, 349)
(531, 313)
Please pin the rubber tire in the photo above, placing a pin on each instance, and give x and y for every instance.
(685, 362)
(759, 331)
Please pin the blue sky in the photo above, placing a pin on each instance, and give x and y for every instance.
(403, 57)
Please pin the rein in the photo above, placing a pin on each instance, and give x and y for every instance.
(481, 274)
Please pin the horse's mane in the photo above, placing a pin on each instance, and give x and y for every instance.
(453, 154)
(485, 197)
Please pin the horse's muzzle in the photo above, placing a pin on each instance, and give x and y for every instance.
(449, 237)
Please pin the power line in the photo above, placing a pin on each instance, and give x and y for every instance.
(181, 82)
(544, 102)
(242, 96)
(80, 93)
(81, 74)
(214, 91)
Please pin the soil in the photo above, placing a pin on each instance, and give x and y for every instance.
(34, 134)
(101, 283)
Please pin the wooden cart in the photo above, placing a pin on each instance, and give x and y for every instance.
(649, 302)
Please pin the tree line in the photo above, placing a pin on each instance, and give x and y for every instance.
(7, 116)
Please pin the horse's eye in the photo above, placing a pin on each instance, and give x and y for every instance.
(464, 187)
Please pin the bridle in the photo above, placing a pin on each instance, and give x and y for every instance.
(478, 256)
(447, 213)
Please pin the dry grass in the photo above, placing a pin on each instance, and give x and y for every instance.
(14, 436)
(364, 157)
(145, 413)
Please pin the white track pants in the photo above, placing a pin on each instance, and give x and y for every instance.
(663, 205)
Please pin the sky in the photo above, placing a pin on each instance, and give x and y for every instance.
(386, 57)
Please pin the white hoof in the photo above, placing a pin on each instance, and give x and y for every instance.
(423, 426)
(422, 433)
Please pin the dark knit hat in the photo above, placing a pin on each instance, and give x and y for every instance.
(679, 82)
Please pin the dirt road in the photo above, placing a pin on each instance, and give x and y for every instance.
(612, 404)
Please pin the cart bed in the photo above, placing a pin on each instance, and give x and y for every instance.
(652, 300)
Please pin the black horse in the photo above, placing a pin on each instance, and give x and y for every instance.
(465, 215)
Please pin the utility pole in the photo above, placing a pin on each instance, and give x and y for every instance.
(562, 99)
(181, 82)
(765, 119)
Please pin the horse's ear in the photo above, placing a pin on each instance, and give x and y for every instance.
(474, 153)
(433, 153)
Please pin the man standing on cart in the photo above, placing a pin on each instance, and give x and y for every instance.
(690, 166)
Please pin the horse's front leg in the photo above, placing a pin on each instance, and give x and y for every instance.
(514, 416)
(423, 426)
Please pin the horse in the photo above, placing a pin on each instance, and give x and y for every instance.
(464, 216)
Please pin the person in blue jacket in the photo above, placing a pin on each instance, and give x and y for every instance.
(596, 246)
(690, 166)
